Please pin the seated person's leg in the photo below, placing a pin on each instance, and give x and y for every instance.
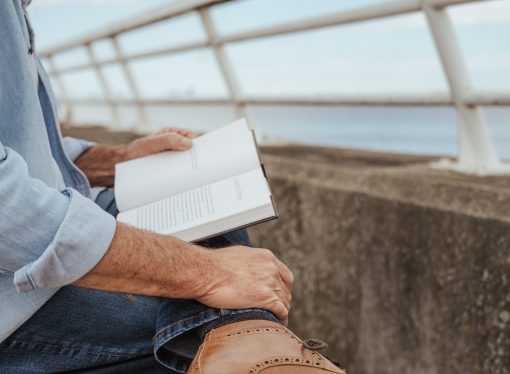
(106, 332)
(83, 329)
(88, 331)
(177, 346)
(181, 324)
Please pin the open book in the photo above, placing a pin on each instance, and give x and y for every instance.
(216, 186)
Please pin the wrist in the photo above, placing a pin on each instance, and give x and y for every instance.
(118, 153)
(178, 269)
(201, 274)
(98, 163)
(212, 273)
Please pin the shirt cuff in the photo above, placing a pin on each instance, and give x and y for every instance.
(75, 147)
(80, 242)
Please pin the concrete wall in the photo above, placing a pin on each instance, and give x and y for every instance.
(400, 268)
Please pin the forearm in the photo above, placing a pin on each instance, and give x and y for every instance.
(234, 277)
(98, 163)
(149, 264)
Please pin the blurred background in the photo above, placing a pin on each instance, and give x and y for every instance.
(389, 56)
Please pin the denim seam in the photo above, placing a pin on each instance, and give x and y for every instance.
(173, 330)
(220, 313)
(159, 332)
(101, 350)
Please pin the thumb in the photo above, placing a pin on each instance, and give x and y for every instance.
(167, 142)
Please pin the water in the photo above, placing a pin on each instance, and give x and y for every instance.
(414, 130)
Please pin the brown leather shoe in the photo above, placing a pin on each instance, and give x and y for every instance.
(257, 347)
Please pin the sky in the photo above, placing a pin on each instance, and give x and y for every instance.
(390, 55)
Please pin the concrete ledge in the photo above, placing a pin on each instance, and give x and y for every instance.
(402, 269)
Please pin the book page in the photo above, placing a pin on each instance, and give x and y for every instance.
(217, 155)
(201, 205)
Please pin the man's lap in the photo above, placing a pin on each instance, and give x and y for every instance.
(81, 328)
(86, 330)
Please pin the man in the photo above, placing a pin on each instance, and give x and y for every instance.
(80, 293)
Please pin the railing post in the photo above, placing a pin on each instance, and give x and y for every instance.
(104, 85)
(142, 114)
(225, 66)
(477, 153)
(64, 96)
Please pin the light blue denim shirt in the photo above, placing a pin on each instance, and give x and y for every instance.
(51, 232)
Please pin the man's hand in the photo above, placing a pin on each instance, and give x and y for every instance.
(168, 139)
(236, 277)
(143, 263)
(98, 162)
(247, 278)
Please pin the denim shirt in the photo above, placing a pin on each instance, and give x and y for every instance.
(51, 232)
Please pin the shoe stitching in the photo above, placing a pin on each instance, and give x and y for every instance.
(269, 362)
(289, 361)
(259, 330)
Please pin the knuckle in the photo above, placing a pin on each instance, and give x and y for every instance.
(273, 273)
(284, 311)
(291, 277)
(266, 293)
(265, 256)
(266, 252)
(280, 306)
(172, 138)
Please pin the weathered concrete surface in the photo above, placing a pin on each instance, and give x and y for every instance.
(402, 269)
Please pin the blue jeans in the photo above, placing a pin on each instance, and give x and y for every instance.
(87, 331)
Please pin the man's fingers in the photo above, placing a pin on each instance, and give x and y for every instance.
(169, 141)
(285, 274)
(285, 297)
(184, 132)
(280, 311)
(187, 133)
(280, 301)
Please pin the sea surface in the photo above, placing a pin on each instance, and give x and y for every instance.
(412, 130)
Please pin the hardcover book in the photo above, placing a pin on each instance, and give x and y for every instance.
(216, 186)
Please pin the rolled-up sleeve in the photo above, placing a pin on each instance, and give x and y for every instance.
(48, 238)
(75, 147)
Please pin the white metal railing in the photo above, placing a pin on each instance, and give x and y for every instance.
(477, 153)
